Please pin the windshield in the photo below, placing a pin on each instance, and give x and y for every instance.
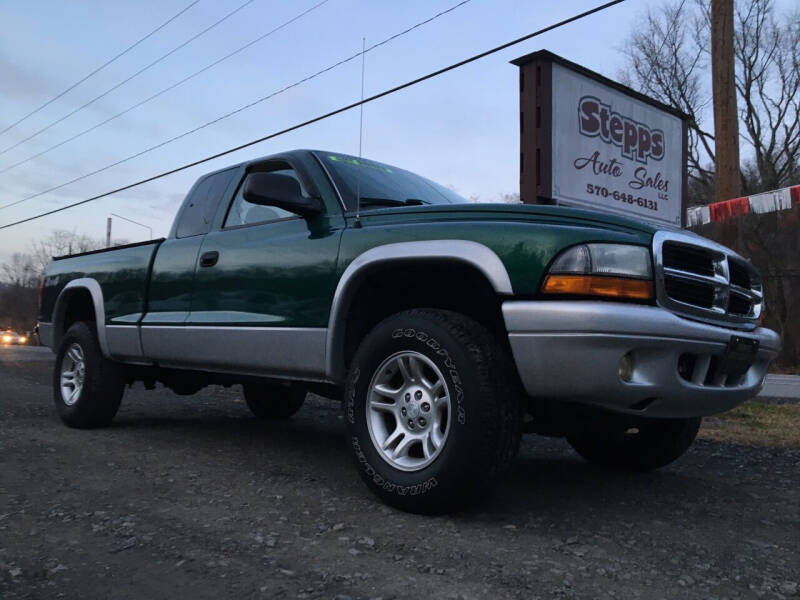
(382, 185)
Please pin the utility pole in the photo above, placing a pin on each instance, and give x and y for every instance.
(726, 116)
(108, 232)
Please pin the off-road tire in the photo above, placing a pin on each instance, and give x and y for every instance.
(651, 444)
(484, 431)
(273, 402)
(103, 381)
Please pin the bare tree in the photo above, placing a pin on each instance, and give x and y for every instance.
(27, 268)
(18, 295)
(668, 56)
(18, 307)
(59, 243)
(768, 80)
(20, 271)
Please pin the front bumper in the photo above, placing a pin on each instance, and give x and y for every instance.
(571, 350)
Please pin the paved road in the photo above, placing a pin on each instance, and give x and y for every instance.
(192, 498)
(782, 386)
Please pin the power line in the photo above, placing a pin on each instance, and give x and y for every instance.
(326, 115)
(126, 80)
(166, 89)
(101, 67)
(237, 110)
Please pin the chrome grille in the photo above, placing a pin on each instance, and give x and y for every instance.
(702, 280)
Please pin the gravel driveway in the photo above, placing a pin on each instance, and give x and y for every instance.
(189, 497)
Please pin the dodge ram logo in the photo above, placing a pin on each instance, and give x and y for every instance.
(635, 140)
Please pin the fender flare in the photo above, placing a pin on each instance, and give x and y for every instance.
(91, 286)
(464, 251)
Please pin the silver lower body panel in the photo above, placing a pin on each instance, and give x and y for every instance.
(571, 350)
(269, 351)
(280, 352)
(123, 343)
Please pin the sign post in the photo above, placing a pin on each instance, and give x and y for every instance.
(590, 142)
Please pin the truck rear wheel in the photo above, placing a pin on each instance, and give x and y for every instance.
(273, 402)
(652, 444)
(87, 387)
(432, 413)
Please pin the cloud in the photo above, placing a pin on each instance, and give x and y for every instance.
(22, 84)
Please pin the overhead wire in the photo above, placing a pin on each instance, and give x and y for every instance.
(166, 89)
(327, 115)
(239, 109)
(131, 77)
(101, 67)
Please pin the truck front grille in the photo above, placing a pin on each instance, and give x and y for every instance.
(688, 258)
(699, 279)
(689, 292)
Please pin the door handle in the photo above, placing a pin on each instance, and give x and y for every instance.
(209, 259)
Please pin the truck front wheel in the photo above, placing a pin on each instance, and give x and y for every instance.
(87, 387)
(432, 413)
(651, 444)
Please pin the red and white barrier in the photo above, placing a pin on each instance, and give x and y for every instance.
(758, 203)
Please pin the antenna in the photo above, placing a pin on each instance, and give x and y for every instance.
(360, 134)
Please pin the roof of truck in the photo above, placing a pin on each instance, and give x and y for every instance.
(285, 154)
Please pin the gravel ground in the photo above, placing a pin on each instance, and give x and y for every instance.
(192, 498)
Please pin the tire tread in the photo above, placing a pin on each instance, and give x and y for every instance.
(499, 408)
(103, 387)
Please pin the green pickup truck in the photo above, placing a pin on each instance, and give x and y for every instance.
(446, 328)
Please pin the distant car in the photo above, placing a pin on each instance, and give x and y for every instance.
(12, 338)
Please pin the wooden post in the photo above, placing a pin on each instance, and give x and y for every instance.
(108, 232)
(726, 117)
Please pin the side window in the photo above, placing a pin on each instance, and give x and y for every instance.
(202, 205)
(243, 212)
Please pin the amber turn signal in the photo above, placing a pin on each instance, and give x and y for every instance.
(598, 285)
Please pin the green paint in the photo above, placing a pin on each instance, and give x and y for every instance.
(122, 274)
(285, 273)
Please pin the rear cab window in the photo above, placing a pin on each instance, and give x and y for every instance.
(201, 206)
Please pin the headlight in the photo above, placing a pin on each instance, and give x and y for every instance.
(6, 339)
(611, 270)
(23, 339)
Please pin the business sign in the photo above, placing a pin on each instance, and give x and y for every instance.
(596, 144)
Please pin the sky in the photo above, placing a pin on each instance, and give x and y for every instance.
(460, 129)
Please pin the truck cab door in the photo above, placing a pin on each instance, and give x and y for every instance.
(263, 295)
(173, 272)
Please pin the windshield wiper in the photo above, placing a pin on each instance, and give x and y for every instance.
(366, 201)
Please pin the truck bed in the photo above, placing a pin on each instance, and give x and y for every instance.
(121, 271)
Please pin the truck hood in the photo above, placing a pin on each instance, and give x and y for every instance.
(513, 212)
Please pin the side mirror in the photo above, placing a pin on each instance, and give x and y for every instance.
(283, 191)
